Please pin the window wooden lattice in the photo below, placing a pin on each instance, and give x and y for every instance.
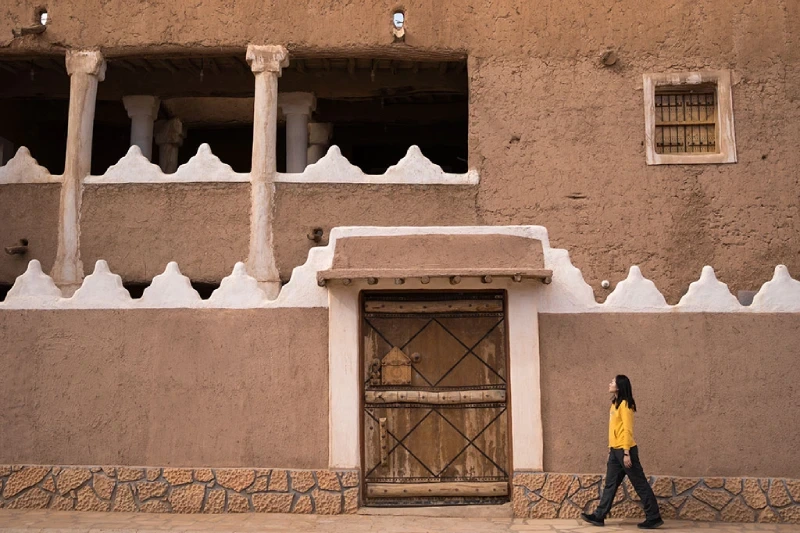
(686, 121)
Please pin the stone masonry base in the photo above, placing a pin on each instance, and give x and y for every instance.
(729, 499)
(179, 490)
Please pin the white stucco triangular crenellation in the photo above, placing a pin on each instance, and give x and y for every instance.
(132, 168)
(23, 168)
(416, 168)
(302, 289)
(635, 294)
(779, 295)
(333, 167)
(102, 289)
(568, 292)
(709, 295)
(205, 166)
(33, 290)
(238, 291)
(170, 289)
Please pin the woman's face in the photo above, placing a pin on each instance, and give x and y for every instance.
(612, 387)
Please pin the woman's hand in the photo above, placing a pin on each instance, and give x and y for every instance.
(627, 461)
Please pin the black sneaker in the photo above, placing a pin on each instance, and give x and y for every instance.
(651, 524)
(592, 519)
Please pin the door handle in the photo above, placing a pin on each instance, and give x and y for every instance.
(384, 448)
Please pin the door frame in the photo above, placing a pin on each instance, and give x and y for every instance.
(344, 367)
(509, 416)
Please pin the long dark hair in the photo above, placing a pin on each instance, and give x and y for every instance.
(624, 392)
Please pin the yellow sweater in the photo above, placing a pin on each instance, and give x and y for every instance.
(620, 427)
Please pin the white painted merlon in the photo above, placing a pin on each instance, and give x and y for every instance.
(170, 289)
(238, 291)
(779, 295)
(100, 290)
(709, 294)
(297, 108)
(23, 168)
(635, 294)
(143, 111)
(33, 290)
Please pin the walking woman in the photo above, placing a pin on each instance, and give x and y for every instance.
(623, 458)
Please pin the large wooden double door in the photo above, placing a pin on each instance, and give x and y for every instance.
(435, 387)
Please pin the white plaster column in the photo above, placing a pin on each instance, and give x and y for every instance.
(142, 111)
(319, 138)
(169, 136)
(85, 68)
(266, 62)
(297, 107)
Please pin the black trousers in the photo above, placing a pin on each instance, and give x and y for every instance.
(615, 475)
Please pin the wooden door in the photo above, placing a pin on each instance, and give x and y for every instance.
(435, 383)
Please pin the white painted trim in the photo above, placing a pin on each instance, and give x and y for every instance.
(23, 168)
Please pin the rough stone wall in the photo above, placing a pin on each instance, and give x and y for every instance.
(28, 211)
(537, 495)
(557, 138)
(172, 387)
(178, 490)
(716, 394)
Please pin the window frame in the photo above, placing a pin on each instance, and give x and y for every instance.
(725, 136)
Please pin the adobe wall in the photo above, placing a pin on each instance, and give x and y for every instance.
(167, 387)
(557, 138)
(717, 393)
(28, 211)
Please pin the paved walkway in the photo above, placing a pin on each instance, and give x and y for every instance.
(64, 522)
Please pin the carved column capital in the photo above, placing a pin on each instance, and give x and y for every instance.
(86, 62)
(270, 58)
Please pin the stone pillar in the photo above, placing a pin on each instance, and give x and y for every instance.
(297, 107)
(319, 138)
(266, 62)
(85, 69)
(142, 111)
(169, 137)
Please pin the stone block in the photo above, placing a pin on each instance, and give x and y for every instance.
(529, 480)
(123, 500)
(187, 499)
(155, 506)
(753, 495)
(178, 476)
(62, 503)
(236, 479)
(301, 480)
(109, 470)
(697, 510)
(129, 474)
(327, 480)
(152, 474)
(34, 498)
(327, 502)
(103, 486)
(662, 487)
(146, 490)
(737, 511)
(215, 503)
(589, 480)
(769, 516)
(683, 484)
(626, 509)
(48, 484)
(574, 487)
(203, 474)
(5, 470)
(715, 498)
(777, 495)
(303, 505)
(23, 479)
(88, 501)
(568, 510)
(272, 503)
(793, 486)
(237, 503)
(260, 485)
(733, 485)
(543, 509)
(351, 501)
(72, 478)
(520, 502)
(714, 482)
(555, 487)
(668, 512)
(791, 515)
(279, 481)
(584, 496)
(350, 479)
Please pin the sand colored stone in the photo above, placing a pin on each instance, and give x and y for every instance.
(62, 503)
(301, 480)
(72, 478)
(793, 487)
(155, 506)
(733, 485)
(530, 481)
(737, 511)
(555, 487)
(215, 503)
(327, 502)
(715, 498)
(203, 474)
(178, 476)
(626, 509)
(235, 478)
(303, 505)
(129, 474)
(584, 496)
(777, 494)
(279, 481)
(350, 501)
(152, 474)
(350, 479)
(769, 516)
(110, 471)
(237, 503)
(272, 503)
(34, 498)
(328, 480)
(187, 499)
(696, 510)
(48, 484)
(88, 501)
(543, 509)
(714, 482)
(753, 495)
(662, 487)
(259, 485)
(22, 479)
(568, 510)
(123, 499)
(103, 486)
(791, 515)
(150, 489)
(589, 480)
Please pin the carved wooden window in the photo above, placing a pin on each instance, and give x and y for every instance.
(686, 119)
(689, 118)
